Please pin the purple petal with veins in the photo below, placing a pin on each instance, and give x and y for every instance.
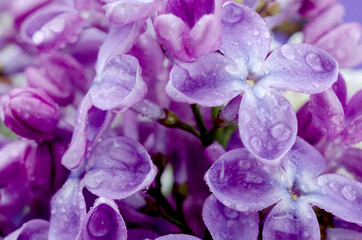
(206, 81)
(244, 33)
(121, 84)
(267, 125)
(329, 118)
(67, 211)
(291, 220)
(300, 68)
(103, 221)
(339, 195)
(119, 167)
(225, 223)
(240, 183)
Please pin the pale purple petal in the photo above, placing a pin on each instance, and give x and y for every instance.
(352, 133)
(137, 234)
(35, 229)
(306, 128)
(177, 237)
(304, 160)
(354, 108)
(214, 151)
(322, 23)
(121, 84)
(204, 36)
(103, 221)
(311, 8)
(240, 183)
(52, 27)
(119, 41)
(344, 43)
(345, 234)
(77, 148)
(288, 9)
(340, 89)
(267, 125)
(207, 81)
(171, 31)
(149, 109)
(327, 112)
(231, 109)
(251, 3)
(291, 220)
(67, 211)
(351, 159)
(244, 33)
(226, 224)
(300, 68)
(124, 12)
(119, 167)
(338, 195)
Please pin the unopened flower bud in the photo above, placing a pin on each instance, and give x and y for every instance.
(30, 113)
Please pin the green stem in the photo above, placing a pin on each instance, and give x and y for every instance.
(204, 137)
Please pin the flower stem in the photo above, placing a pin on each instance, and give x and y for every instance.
(204, 136)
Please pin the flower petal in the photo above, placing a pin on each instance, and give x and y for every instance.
(103, 221)
(352, 133)
(124, 12)
(354, 108)
(344, 43)
(240, 183)
(119, 167)
(300, 68)
(339, 195)
(323, 23)
(67, 211)
(341, 233)
(327, 112)
(291, 220)
(244, 33)
(171, 31)
(35, 229)
(204, 36)
(267, 125)
(121, 84)
(208, 81)
(177, 237)
(226, 223)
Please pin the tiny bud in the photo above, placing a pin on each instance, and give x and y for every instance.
(30, 113)
(171, 119)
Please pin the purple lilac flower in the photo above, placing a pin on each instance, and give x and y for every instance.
(242, 184)
(189, 29)
(35, 229)
(31, 113)
(267, 122)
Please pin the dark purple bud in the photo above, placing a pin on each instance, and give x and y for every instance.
(30, 113)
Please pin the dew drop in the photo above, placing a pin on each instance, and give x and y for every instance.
(57, 26)
(281, 132)
(349, 193)
(256, 32)
(314, 62)
(287, 51)
(267, 34)
(259, 91)
(226, 203)
(232, 13)
(99, 224)
(38, 37)
(337, 119)
(230, 213)
(334, 186)
(256, 143)
(241, 207)
(244, 165)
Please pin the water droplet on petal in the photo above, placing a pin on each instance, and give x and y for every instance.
(349, 193)
(287, 51)
(256, 143)
(267, 35)
(337, 119)
(244, 165)
(242, 208)
(334, 186)
(314, 62)
(57, 26)
(226, 203)
(232, 13)
(230, 213)
(38, 37)
(259, 91)
(281, 132)
(256, 32)
(99, 224)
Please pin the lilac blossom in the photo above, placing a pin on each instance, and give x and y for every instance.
(242, 184)
(31, 113)
(189, 29)
(264, 113)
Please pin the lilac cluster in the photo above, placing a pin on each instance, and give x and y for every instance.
(119, 117)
